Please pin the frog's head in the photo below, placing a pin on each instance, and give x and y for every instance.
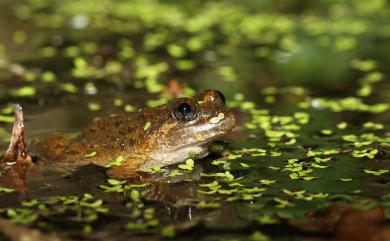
(187, 126)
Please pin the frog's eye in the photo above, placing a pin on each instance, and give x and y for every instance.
(184, 110)
(221, 96)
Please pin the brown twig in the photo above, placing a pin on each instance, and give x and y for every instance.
(16, 160)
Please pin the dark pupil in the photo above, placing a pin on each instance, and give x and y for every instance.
(221, 96)
(184, 109)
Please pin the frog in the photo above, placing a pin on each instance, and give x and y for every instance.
(129, 143)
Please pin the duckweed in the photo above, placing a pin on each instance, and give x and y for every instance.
(24, 91)
(188, 165)
(6, 190)
(376, 172)
(93, 106)
(217, 119)
(7, 119)
(116, 162)
(147, 125)
(308, 134)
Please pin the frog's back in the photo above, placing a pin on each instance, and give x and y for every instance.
(109, 137)
(101, 142)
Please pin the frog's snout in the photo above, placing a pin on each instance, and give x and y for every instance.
(230, 119)
(224, 121)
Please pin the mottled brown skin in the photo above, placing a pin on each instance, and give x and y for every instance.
(168, 140)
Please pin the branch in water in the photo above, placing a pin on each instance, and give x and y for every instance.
(16, 160)
(17, 150)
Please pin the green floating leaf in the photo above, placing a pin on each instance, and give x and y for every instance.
(147, 125)
(320, 159)
(176, 50)
(129, 108)
(94, 204)
(267, 182)
(365, 90)
(373, 126)
(226, 175)
(217, 119)
(371, 78)
(376, 172)
(117, 162)
(189, 165)
(7, 110)
(69, 87)
(267, 219)
(7, 119)
(282, 203)
(30, 203)
(233, 156)
(155, 169)
(364, 65)
(315, 165)
(370, 153)
(203, 204)
(168, 231)
(118, 102)
(175, 173)
(326, 132)
(342, 125)
(24, 91)
(345, 179)
(115, 182)
(274, 168)
(6, 190)
(22, 215)
(135, 195)
(93, 106)
(48, 76)
(258, 236)
(87, 229)
(244, 165)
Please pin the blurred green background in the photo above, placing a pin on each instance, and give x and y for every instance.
(61, 47)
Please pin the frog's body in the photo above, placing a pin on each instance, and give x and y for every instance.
(159, 136)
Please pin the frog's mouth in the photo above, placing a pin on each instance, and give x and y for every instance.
(197, 147)
(199, 143)
(179, 154)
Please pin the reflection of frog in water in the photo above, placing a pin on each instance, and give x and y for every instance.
(160, 136)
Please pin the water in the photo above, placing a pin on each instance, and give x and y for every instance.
(312, 100)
